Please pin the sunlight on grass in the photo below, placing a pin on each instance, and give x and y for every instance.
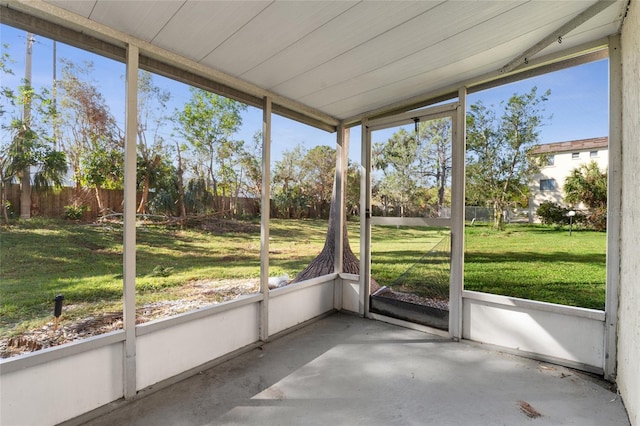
(41, 259)
(539, 263)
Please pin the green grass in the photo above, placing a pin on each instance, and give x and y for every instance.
(537, 262)
(406, 259)
(42, 258)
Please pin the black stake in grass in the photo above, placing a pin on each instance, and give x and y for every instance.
(57, 310)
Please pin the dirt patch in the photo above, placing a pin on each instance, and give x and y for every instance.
(224, 226)
(194, 295)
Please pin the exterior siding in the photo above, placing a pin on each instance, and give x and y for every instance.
(564, 162)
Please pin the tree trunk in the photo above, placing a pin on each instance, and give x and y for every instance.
(324, 263)
(3, 191)
(142, 207)
(498, 222)
(151, 165)
(25, 194)
(181, 207)
(99, 201)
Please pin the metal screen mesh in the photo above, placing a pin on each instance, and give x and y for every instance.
(428, 279)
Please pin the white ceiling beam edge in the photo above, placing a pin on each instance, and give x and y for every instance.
(557, 35)
(83, 26)
(582, 54)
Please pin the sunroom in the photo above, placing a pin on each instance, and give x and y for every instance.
(346, 67)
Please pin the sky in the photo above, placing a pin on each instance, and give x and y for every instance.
(578, 102)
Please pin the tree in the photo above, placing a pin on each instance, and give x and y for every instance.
(500, 162)
(318, 172)
(152, 155)
(207, 123)
(588, 184)
(286, 182)
(93, 142)
(29, 147)
(435, 136)
(324, 263)
(353, 188)
(251, 162)
(398, 161)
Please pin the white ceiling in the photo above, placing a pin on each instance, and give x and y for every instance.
(345, 58)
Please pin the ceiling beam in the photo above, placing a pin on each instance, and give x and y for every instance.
(557, 35)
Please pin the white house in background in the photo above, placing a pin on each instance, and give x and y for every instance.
(561, 159)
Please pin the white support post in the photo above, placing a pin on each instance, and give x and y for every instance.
(342, 151)
(457, 218)
(265, 208)
(614, 208)
(365, 220)
(129, 250)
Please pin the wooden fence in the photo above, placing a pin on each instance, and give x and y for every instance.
(52, 203)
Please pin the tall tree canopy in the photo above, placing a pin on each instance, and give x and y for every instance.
(416, 169)
(92, 139)
(153, 162)
(207, 122)
(28, 155)
(500, 162)
(302, 181)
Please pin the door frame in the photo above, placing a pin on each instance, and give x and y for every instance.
(456, 112)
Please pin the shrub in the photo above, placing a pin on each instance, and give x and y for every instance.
(75, 212)
(551, 213)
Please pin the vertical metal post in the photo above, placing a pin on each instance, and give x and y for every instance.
(365, 220)
(129, 250)
(614, 208)
(457, 218)
(265, 208)
(342, 151)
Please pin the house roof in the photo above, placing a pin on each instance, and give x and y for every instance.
(573, 146)
(326, 62)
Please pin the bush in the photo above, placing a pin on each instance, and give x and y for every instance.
(74, 212)
(597, 219)
(552, 213)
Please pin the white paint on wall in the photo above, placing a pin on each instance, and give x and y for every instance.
(171, 351)
(290, 308)
(351, 293)
(628, 378)
(59, 390)
(578, 339)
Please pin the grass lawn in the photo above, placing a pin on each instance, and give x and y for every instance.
(537, 262)
(42, 258)
(411, 259)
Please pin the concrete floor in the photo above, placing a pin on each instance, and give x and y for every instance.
(345, 370)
